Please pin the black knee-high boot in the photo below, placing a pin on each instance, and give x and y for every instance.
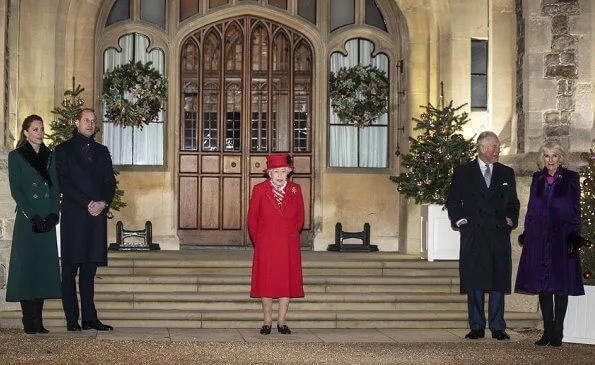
(561, 303)
(546, 303)
(38, 316)
(27, 309)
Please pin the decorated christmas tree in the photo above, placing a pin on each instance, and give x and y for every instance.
(588, 217)
(65, 114)
(434, 154)
(63, 125)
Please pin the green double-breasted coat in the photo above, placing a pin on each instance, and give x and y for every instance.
(34, 271)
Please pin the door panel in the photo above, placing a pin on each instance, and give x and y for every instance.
(245, 93)
(210, 164)
(188, 163)
(232, 203)
(232, 164)
(209, 203)
(188, 202)
(306, 186)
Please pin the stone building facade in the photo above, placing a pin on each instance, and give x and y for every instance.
(539, 71)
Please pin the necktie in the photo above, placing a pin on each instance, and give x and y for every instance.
(487, 175)
(87, 151)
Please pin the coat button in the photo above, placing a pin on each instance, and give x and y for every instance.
(34, 196)
(46, 184)
(34, 184)
(47, 195)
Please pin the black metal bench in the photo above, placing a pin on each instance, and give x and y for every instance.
(341, 235)
(145, 245)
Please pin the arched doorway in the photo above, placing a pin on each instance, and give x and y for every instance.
(246, 91)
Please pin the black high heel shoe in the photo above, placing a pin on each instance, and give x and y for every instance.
(265, 330)
(284, 330)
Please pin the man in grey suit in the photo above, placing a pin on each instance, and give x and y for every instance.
(483, 204)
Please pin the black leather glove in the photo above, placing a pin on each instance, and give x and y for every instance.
(522, 239)
(37, 224)
(52, 219)
(575, 241)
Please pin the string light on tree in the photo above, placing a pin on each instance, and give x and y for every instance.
(588, 217)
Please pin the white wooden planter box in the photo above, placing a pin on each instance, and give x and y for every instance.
(439, 240)
(579, 324)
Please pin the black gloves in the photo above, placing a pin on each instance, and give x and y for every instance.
(522, 239)
(52, 219)
(575, 241)
(38, 225)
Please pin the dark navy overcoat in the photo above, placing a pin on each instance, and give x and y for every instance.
(85, 174)
(485, 254)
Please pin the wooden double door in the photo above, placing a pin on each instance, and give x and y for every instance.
(245, 93)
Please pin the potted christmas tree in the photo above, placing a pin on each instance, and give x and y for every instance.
(580, 317)
(433, 156)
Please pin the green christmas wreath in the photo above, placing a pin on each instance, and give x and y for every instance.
(359, 94)
(134, 93)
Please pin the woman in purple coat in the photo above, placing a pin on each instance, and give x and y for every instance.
(550, 263)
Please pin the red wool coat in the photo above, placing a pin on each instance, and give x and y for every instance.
(275, 232)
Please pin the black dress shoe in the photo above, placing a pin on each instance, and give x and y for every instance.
(73, 326)
(475, 334)
(500, 335)
(284, 330)
(265, 330)
(543, 341)
(96, 325)
(42, 329)
(556, 342)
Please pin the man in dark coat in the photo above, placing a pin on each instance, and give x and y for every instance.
(88, 185)
(482, 203)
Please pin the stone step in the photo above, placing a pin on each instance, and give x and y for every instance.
(255, 305)
(210, 289)
(245, 271)
(245, 288)
(317, 260)
(240, 301)
(244, 297)
(297, 318)
(242, 279)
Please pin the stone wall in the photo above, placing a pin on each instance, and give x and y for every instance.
(558, 86)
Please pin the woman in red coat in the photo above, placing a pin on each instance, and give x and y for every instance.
(275, 218)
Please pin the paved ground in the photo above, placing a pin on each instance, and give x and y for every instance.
(304, 346)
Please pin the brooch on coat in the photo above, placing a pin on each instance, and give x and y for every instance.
(294, 190)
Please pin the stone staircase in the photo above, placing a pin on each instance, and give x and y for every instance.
(210, 289)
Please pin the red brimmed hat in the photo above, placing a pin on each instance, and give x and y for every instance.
(277, 161)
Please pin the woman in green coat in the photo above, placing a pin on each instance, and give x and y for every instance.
(34, 271)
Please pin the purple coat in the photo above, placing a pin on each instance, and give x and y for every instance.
(552, 214)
